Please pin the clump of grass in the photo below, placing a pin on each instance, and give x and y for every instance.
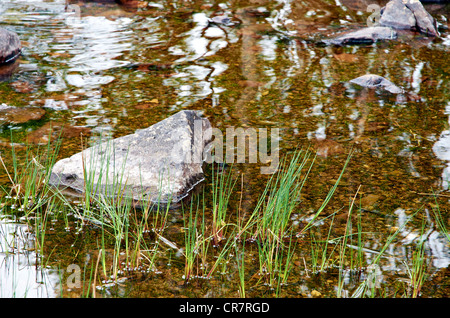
(281, 196)
(440, 221)
(197, 242)
(28, 193)
(417, 272)
(285, 264)
(367, 287)
(343, 246)
(240, 262)
(192, 239)
(222, 188)
(28, 177)
(321, 257)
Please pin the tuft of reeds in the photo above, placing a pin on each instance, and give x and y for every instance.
(368, 286)
(240, 262)
(417, 272)
(343, 246)
(192, 239)
(28, 177)
(321, 257)
(281, 196)
(440, 221)
(222, 188)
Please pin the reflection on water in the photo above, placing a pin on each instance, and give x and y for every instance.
(442, 150)
(74, 50)
(114, 70)
(194, 78)
(20, 273)
(436, 244)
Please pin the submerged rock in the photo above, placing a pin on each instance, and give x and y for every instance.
(19, 115)
(367, 35)
(10, 46)
(408, 15)
(222, 20)
(133, 3)
(53, 130)
(376, 81)
(160, 163)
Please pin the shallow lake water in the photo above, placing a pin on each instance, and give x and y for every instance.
(99, 68)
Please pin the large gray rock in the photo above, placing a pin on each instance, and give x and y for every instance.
(10, 46)
(367, 35)
(376, 81)
(397, 15)
(408, 15)
(425, 23)
(159, 164)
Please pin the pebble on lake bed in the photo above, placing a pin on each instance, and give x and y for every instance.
(316, 294)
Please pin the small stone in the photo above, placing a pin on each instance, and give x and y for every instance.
(19, 115)
(54, 130)
(222, 20)
(376, 81)
(133, 3)
(316, 294)
(369, 201)
(22, 86)
(425, 22)
(393, 229)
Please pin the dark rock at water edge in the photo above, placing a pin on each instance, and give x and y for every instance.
(367, 35)
(397, 15)
(8, 69)
(158, 164)
(408, 15)
(10, 46)
(376, 81)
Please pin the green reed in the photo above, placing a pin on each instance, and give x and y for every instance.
(193, 238)
(222, 188)
(417, 272)
(367, 287)
(440, 221)
(281, 196)
(240, 262)
(28, 176)
(321, 257)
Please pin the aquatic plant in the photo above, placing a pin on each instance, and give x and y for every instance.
(215, 242)
(222, 188)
